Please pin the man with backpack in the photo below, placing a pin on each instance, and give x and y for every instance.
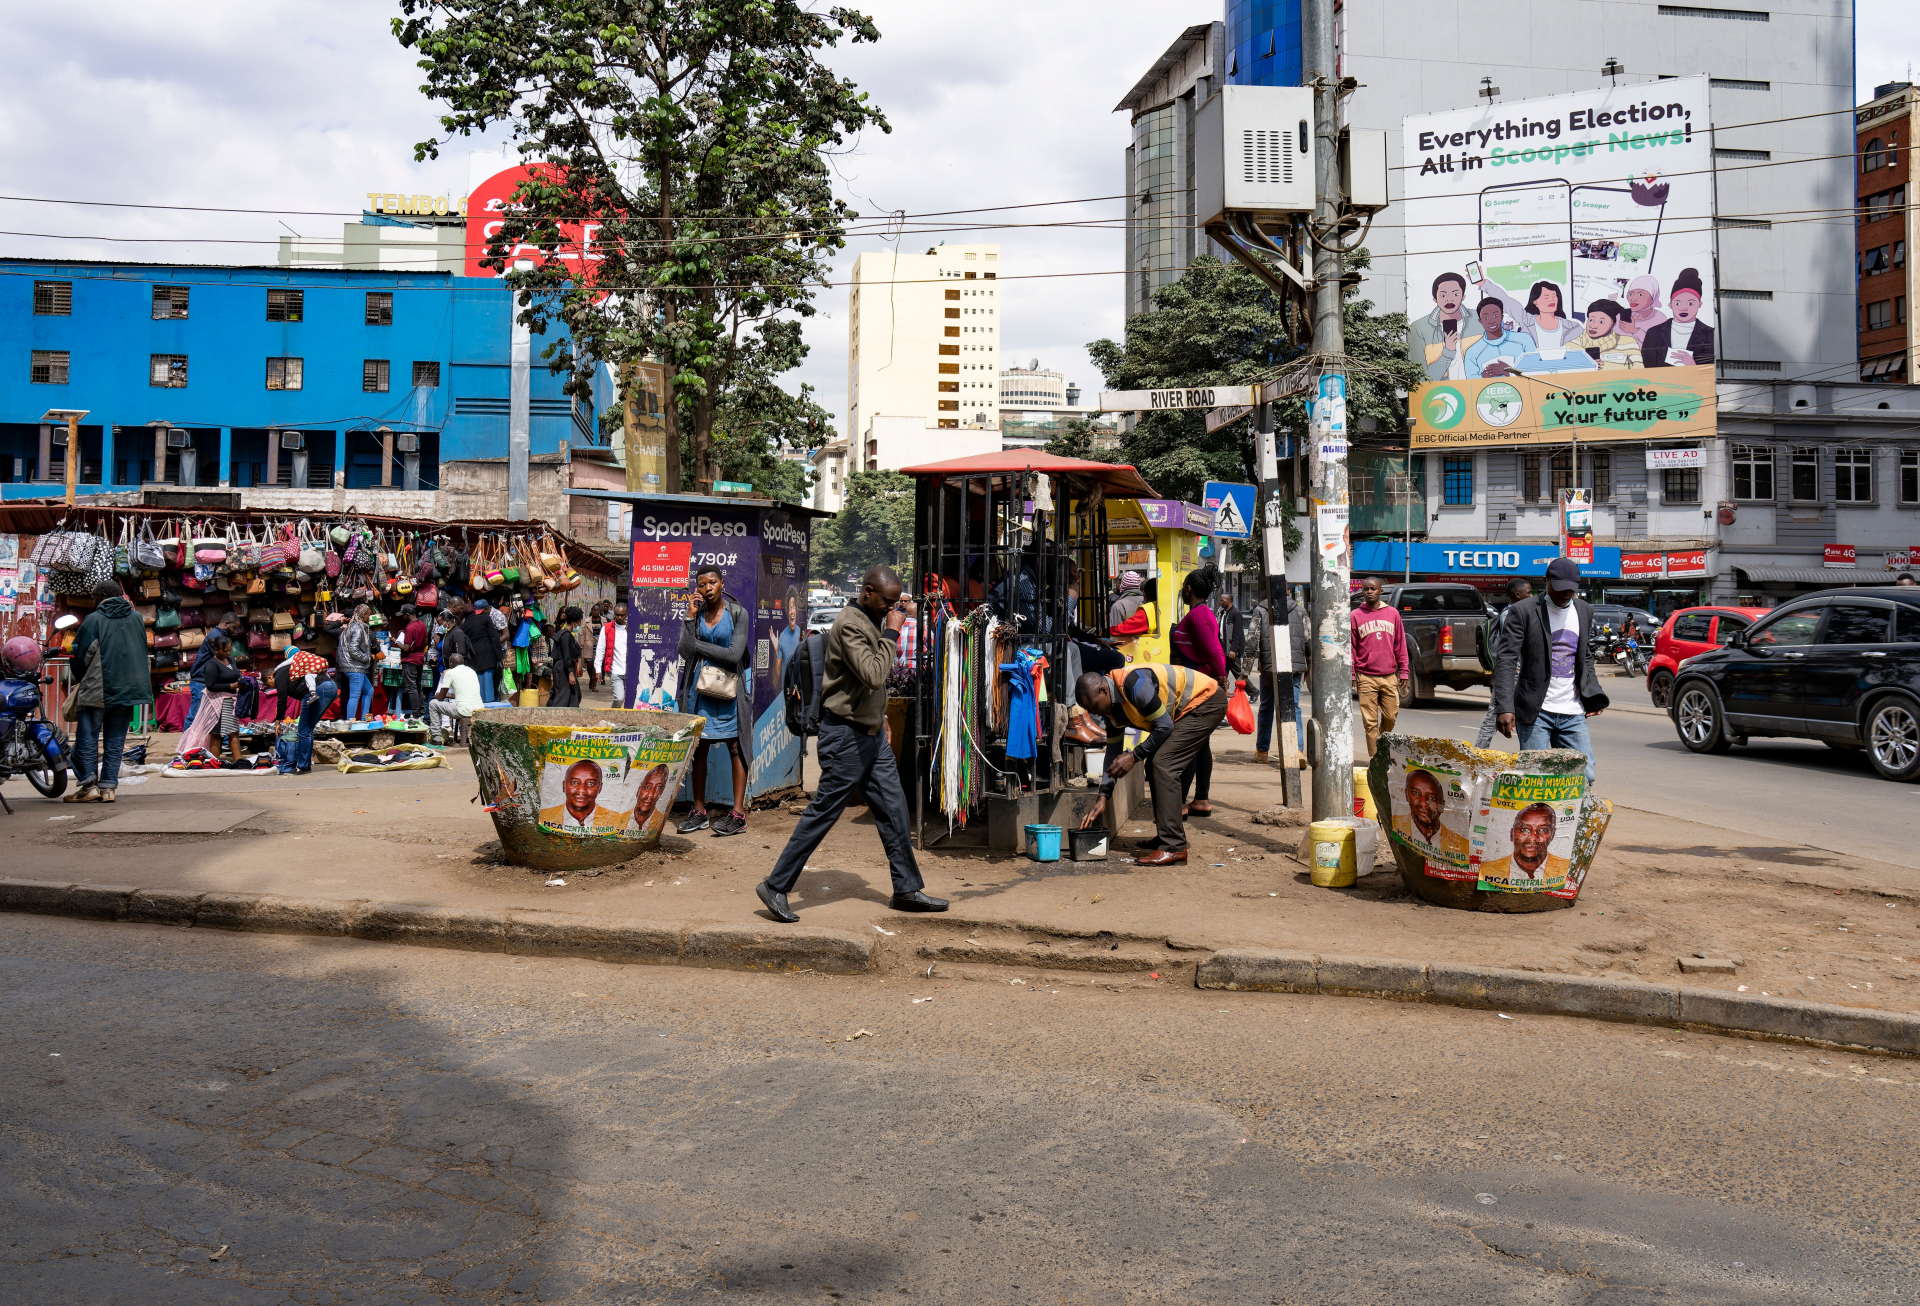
(854, 749)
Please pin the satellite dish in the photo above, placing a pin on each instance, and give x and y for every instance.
(1034, 366)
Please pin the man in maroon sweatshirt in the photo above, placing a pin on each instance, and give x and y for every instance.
(1379, 662)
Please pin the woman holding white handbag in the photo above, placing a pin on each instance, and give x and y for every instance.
(715, 680)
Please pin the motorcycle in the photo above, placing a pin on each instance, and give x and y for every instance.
(30, 745)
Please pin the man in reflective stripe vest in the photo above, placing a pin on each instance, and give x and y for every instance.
(1179, 708)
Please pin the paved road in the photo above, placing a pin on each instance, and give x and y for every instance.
(1791, 791)
(356, 1122)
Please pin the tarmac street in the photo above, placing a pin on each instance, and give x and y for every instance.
(197, 1116)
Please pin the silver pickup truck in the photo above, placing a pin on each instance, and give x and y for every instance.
(1443, 624)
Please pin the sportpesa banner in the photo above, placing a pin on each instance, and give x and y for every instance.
(1565, 246)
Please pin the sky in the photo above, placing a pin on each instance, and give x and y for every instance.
(308, 104)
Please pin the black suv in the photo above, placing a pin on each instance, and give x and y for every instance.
(1842, 667)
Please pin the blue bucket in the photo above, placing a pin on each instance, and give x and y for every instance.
(1043, 843)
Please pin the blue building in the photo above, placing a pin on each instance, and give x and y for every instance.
(186, 370)
(1263, 43)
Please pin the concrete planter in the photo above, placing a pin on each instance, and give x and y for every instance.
(571, 788)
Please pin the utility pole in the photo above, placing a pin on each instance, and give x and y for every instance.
(1279, 618)
(1328, 636)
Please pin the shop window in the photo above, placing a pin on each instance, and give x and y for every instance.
(1530, 478)
(170, 301)
(286, 305)
(1853, 476)
(286, 373)
(379, 308)
(426, 375)
(1753, 472)
(1680, 485)
(53, 299)
(50, 366)
(1602, 486)
(1910, 476)
(374, 374)
(1806, 475)
(168, 371)
(1457, 479)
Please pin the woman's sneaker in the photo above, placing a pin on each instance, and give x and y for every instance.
(731, 823)
(697, 821)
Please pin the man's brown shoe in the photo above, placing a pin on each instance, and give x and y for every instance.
(1161, 857)
(1261, 757)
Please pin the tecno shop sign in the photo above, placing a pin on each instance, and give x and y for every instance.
(1503, 561)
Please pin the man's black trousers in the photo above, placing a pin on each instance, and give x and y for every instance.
(851, 758)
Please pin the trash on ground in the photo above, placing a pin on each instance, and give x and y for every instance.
(1505, 1016)
(217, 1255)
(859, 1033)
(556, 884)
(60, 818)
(918, 1001)
(889, 933)
(1485, 1199)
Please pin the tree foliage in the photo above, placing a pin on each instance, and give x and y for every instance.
(695, 132)
(1220, 325)
(1075, 439)
(757, 418)
(875, 526)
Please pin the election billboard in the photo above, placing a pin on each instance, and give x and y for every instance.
(1562, 252)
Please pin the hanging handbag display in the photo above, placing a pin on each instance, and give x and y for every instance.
(284, 620)
(192, 639)
(166, 639)
(312, 559)
(147, 557)
(166, 659)
(166, 619)
(150, 587)
(146, 612)
(193, 618)
(426, 596)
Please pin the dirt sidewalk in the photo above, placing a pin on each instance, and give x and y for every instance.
(1802, 923)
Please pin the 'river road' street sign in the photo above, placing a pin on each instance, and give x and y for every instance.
(1205, 396)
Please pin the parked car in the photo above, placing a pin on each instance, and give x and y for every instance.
(1686, 633)
(1443, 624)
(1842, 667)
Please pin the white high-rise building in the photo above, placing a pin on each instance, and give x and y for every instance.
(923, 353)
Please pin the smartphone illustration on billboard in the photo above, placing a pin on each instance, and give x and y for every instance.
(1616, 231)
(1526, 234)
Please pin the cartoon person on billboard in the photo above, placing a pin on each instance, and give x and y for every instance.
(1434, 342)
(1604, 342)
(1683, 340)
(1497, 351)
(1643, 305)
(1543, 317)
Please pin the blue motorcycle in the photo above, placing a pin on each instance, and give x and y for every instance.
(30, 745)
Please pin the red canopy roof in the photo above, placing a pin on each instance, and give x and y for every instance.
(1116, 478)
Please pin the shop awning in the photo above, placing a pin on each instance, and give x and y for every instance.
(1115, 478)
(1812, 576)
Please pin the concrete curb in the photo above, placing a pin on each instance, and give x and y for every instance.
(522, 933)
(1490, 988)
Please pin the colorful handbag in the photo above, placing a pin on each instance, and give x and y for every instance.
(166, 619)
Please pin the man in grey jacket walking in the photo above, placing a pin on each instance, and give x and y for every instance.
(854, 749)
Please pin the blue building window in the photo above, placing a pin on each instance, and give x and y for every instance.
(1263, 42)
(1457, 481)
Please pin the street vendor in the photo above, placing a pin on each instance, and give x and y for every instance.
(1179, 708)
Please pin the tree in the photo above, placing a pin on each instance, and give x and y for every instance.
(695, 134)
(1075, 440)
(875, 526)
(1220, 325)
(757, 417)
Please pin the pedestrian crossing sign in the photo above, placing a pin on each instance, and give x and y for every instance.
(1232, 509)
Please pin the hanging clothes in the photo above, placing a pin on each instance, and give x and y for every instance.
(1023, 709)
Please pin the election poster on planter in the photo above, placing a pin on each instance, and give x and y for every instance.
(1434, 800)
(1524, 833)
(1560, 268)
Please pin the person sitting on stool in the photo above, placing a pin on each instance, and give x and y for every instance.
(855, 749)
(1180, 708)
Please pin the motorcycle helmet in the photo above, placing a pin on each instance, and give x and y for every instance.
(21, 655)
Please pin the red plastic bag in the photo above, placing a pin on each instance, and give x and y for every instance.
(1239, 710)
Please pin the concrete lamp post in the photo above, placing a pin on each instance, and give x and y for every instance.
(69, 418)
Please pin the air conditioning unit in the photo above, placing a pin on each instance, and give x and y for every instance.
(407, 443)
(178, 439)
(293, 439)
(1253, 152)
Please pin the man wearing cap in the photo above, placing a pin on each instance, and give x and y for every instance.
(1543, 680)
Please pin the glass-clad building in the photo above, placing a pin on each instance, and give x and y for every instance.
(1263, 42)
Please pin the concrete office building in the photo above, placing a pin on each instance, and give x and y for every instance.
(1885, 232)
(829, 464)
(923, 342)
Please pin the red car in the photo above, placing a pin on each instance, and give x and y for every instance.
(1689, 631)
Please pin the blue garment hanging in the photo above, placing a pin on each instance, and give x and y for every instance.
(1023, 713)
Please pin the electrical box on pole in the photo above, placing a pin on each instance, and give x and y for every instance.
(1363, 169)
(1252, 152)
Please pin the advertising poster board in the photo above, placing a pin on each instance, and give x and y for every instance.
(762, 556)
(1560, 268)
(1434, 805)
(1524, 834)
(645, 426)
(1576, 525)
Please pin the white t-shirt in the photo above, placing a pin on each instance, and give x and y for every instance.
(1563, 653)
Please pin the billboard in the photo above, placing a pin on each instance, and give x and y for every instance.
(1563, 251)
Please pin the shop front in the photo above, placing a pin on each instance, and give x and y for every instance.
(1486, 568)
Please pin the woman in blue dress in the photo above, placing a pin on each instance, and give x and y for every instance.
(713, 642)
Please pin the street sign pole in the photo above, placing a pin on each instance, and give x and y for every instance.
(1273, 542)
(1332, 567)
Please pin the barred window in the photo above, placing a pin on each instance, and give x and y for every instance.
(168, 371)
(53, 299)
(170, 301)
(427, 374)
(379, 308)
(1680, 485)
(50, 366)
(285, 373)
(373, 375)
(286, 305)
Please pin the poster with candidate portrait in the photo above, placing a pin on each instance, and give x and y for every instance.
(1524, 834)
(608, 786)
(1560, 270)
(1434, 803)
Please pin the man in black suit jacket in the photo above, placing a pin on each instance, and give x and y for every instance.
(1543, 680)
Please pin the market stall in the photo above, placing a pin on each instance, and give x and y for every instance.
(1011, 568)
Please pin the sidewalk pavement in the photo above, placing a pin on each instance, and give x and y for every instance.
(1800, 923)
